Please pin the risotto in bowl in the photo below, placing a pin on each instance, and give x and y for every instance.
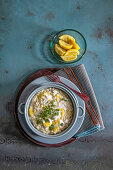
(51, 110)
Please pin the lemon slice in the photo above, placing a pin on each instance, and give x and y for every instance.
(59, 50)
(65, 45)
(76, 46)
(72, 52)
(70, 40)
(68, 58)
(70, 55)
(66, 38)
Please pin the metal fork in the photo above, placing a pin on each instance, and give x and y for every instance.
(56, 79)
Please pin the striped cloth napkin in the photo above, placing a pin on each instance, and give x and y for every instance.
(93, 120)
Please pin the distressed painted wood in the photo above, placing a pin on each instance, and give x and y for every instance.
(26, 27)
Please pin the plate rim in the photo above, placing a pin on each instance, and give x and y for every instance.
(39, 138)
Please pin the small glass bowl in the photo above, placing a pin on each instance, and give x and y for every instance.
(79, 38)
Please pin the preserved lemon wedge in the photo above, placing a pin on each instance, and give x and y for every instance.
(31, 111)
(70, 40)
(56, 122)
(68, 58)
(70, 55)
(65, 45)
(47, 124)
(66, 38)
(59, 50)
(72, 52)
(56, 129)
(76, 46)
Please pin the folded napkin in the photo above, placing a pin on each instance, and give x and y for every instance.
(93, 120)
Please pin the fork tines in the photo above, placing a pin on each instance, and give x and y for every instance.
(48, 73)
(52, 76)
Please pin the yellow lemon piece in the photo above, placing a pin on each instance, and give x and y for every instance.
(46, 93)
(70, 40)
(59, 50)
(57, 97)
(72, 52)
(68, 58)
(62, 112)
(56, 129)
(76, 46)
(56, 122)
(65, 45)
(70, 55)
(41, 95)
(67, 38)
(31, 111)
(61, 109)
(47, 124)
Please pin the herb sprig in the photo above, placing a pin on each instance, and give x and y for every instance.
(48, 112)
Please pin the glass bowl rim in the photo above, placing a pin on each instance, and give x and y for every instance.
(51, 44)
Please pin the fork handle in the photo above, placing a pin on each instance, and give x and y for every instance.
(83, 96)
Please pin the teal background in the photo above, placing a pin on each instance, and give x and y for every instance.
(26, 28)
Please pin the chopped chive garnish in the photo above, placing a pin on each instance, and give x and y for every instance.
(52, 117)
(50, 111)
(53, 104)
(46, 120)
(56, 113)
(57, 109)
(45, 114)
(39, 121)
(51, 127)
(64, 99)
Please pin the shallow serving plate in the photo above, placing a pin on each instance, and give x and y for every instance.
(43, 138)
(66, 90)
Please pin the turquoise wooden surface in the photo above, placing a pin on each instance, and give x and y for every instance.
(26, 27)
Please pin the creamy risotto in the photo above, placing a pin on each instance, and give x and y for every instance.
(51, 111)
